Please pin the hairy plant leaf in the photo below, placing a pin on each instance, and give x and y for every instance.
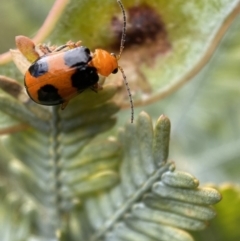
(53, 162)
(158, 205)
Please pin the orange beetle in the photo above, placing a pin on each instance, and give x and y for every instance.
(64, 72)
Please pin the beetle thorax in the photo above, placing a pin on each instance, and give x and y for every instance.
(104, 62)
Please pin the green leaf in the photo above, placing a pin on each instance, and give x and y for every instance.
(205, 116)
(184, 35)
(54, 162)
(144, 204)
(179, 45)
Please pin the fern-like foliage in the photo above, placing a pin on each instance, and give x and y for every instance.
(152, 201)
(66, 185)
(54, 162)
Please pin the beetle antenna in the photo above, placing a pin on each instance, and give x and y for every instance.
(123, 29)
(119, 56)
(129, 93)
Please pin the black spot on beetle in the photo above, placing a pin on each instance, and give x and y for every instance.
(84, 77)
(77, 57)
(38, 68)
(48, 95)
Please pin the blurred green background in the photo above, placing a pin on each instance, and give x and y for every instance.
(21, 17)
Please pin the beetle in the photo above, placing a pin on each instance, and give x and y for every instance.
(63, 72)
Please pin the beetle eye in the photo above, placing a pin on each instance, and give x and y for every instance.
(115, 71)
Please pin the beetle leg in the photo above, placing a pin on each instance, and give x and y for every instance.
(96, 87)
(64, 104)
(60, 48)
(44, 49)
(68, 45)
(71, 45)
